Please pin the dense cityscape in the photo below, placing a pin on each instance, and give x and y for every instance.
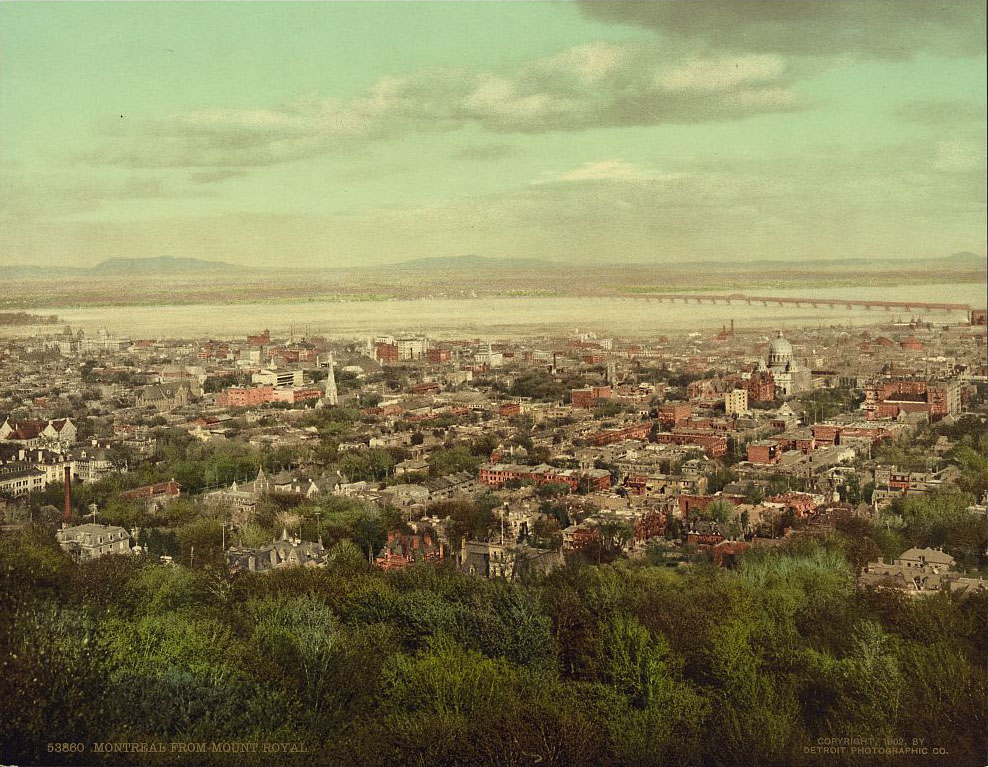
(493, 384)
(361, 528)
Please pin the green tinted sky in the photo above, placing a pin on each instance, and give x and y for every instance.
(342, 133)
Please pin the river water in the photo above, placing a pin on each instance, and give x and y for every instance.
(504, 317)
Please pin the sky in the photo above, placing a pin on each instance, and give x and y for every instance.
(337, 134)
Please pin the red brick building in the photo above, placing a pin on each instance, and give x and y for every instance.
(714, 445)
(801, 504)
(650, 525)
(887, 399)
(761, 387)
(496, 474)
(244, 396)
(439, 355)
(154, 496)
(674, 414)
(827, 434)
(765, 452)
(509, 409)
(386, 353)
(590, 397)
(639, 431)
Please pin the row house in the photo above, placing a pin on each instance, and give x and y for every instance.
(638, 431)
(496, 474)
(714, 445)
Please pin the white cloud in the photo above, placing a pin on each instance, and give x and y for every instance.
(717, 75)
(598, 85)
(606, 170)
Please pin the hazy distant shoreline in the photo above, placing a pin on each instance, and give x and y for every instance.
(509, 316)
(58, 295)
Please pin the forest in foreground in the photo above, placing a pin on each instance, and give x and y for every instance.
(617, 664)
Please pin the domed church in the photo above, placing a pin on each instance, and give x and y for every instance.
(790, 378)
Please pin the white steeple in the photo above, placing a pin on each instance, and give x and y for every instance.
(331, 395)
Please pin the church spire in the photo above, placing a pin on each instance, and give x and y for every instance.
(331, 394)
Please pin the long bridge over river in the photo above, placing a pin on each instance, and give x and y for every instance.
(833, 303)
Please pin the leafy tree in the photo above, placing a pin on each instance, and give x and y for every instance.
(451, 460)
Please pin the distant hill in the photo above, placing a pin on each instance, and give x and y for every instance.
(163, 265)
(967, 258)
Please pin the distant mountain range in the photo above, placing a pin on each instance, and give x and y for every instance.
(164, 265)
(123, 267)
(178, 267)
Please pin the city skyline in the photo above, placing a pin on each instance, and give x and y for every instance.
(341, 134)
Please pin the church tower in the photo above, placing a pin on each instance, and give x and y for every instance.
(332, 397)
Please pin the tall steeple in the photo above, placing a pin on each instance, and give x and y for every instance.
(331, 395)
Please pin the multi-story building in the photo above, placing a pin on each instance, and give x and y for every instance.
(638, 431)
(674, 414)
(736, 402)
(589, 397)
(91, 541)
(412, 347)
(37, 433)
(386, 352)
(761, 387)
(20, 478)
(244, 396)
(766, 451)
(278, 378)
(888, 398)
(714, 445)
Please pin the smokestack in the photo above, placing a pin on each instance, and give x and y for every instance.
(67, 513)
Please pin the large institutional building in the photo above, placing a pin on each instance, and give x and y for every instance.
(790, 378)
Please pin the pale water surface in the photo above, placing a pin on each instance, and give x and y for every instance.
(503, 317)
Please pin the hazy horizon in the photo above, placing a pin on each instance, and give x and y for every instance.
(333, 135)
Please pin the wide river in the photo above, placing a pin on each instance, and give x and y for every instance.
(505, 317)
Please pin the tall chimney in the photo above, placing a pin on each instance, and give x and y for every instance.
(67, 514)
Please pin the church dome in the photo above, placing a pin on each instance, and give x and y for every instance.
(780, 352)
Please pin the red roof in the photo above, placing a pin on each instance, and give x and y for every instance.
(170, 488)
